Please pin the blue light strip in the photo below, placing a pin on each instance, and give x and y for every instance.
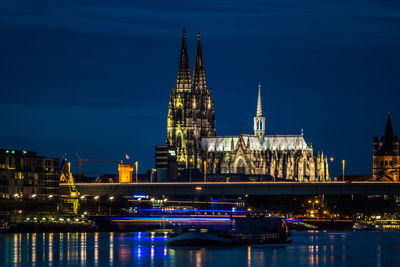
(293, 220)
(192, 210)
(140, 196)
(169, 219)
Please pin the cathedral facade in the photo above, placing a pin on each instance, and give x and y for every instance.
(191, 109)
(191, 133)
(280, 156)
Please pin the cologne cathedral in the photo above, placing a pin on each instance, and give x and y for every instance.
(191, 133)
(191, 109)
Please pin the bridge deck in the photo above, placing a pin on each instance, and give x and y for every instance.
(237, 188)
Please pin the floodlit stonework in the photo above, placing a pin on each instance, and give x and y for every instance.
(386, 155)
(191, 133)
(191, 109)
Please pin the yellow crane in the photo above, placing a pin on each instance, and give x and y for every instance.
(66, 177)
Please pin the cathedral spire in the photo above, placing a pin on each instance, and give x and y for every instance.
(259, 120)
(387, 146)
(259, 107)
(183, 80)
(199, 73)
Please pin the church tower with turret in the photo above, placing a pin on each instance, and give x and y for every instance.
(386, 156)
(259, 120)
(191, 109)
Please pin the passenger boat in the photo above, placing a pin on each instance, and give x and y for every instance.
(246, 231)
(377, 225)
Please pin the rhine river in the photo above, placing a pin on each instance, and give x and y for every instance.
(317, 248)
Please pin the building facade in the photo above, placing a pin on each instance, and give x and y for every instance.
(25, 175)
(191, 108)
(191, 135)
(280, 156)
(386, 155)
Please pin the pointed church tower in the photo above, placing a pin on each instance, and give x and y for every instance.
(388, 138)
(199, 72)
(386, 156)
(203, 114)
(183, 80)
(179, 123)
(259, 120)
(191, 108)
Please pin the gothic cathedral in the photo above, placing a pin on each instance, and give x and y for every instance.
(191, 134)
(191, 109)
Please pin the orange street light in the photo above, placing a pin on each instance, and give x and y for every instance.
(136, 167)
(343, 164)
(205, 169)
(190, 169)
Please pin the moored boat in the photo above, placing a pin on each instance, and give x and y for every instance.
(246, 231)
(199, 238)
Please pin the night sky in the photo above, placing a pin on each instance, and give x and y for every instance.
(95, 78)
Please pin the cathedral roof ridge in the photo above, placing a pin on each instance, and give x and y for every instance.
(284, 135)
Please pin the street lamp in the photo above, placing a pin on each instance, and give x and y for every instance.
(331, 159)
(262, 160)
(205, 168)
(190, 169)
(136, 166)
(343, 164)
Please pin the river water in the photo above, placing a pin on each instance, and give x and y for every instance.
(318, 248)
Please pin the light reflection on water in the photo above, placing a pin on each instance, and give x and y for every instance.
(123, 249)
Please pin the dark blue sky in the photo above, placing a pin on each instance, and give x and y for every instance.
(95, 77)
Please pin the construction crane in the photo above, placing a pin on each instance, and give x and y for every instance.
(80, 160)
(66, 177)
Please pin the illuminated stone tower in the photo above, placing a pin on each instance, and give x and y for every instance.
(125, 173)
(203, 115)
(386, 156)
(259, 120)
(191, 109)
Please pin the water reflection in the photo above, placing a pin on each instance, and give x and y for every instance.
(248, 256)
(96, 249)
(149, 249)
(111, 249)
(33, 249)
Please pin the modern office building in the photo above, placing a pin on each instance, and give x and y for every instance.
(25, 175)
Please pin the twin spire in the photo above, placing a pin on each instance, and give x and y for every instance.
(184, 79)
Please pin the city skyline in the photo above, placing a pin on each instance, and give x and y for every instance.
(98, 82)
